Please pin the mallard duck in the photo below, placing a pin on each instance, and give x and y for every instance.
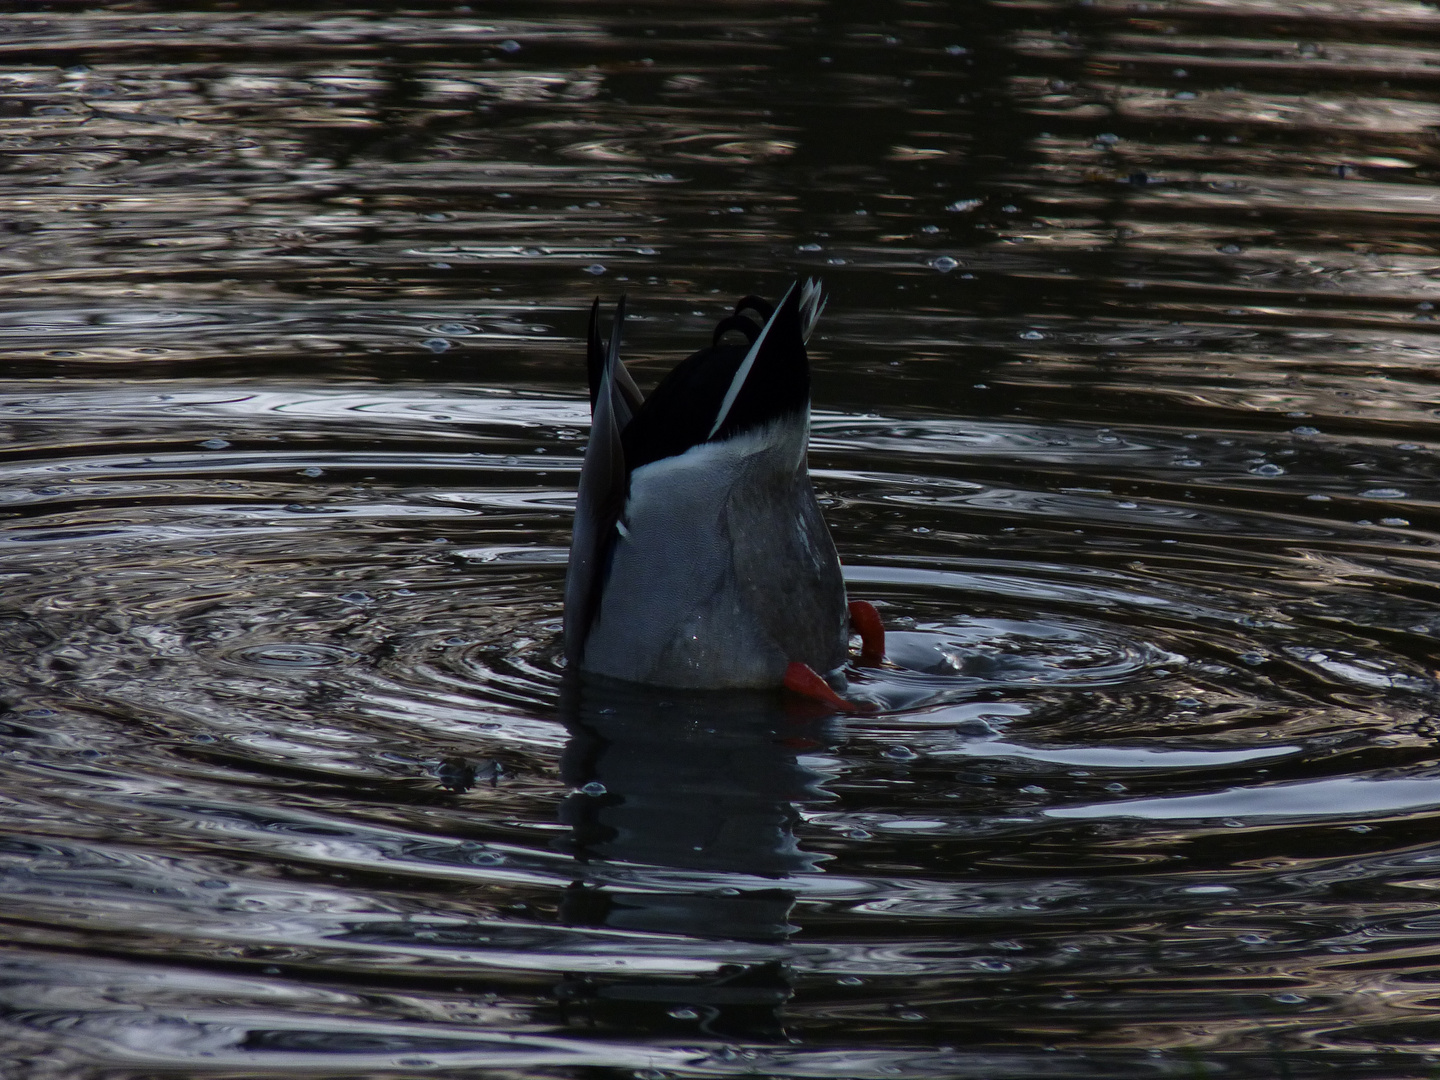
(700, 557)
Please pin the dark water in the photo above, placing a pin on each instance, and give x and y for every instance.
(1125, 416)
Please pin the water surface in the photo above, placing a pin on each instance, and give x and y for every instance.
(1124, 417)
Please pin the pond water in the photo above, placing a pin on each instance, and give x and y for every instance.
(1125, 417)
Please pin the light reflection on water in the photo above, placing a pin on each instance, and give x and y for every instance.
(1124, 418)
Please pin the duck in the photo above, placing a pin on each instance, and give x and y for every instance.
(700, 558)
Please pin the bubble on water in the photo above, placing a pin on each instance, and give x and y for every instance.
(1394, 522)
(944, 264)
(961, 206)
(357, 597)
(900, 753)
(510, 45)
(215, 444)
(1267, 469)
(1305, 429)
(1383, 493)
(312, 471)
(683, 1012)
(595, 268)
(1032, 335)
(810, 247)
(594, 789)
(436, 344)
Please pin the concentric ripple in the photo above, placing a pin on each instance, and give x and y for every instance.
(344, 656)
(1124, 419)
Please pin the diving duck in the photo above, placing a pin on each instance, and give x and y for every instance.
(700, 558)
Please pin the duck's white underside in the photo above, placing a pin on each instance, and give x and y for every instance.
(723, 572)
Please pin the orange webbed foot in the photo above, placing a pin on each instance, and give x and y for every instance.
(803, 680)
(866, 622)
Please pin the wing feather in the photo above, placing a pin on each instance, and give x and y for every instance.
(596, 356)
(602, 486)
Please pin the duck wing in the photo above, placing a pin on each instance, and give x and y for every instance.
(602, 482)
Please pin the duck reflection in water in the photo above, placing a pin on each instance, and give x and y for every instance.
(707, 785)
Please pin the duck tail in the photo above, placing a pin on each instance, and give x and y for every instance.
(812, 303)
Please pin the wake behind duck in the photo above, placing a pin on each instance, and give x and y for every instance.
(700, 557)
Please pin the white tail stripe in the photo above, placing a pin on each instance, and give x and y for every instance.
(745, 365)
